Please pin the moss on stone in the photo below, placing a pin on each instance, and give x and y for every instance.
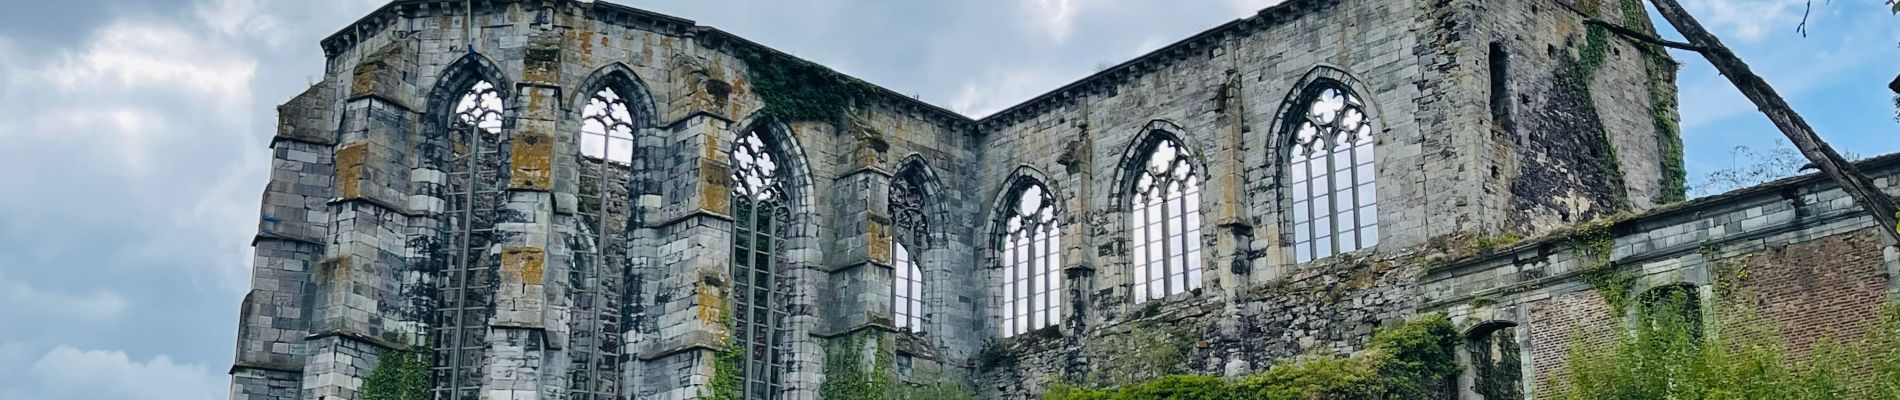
(799, 90)
(1410, 361)
(847, 377)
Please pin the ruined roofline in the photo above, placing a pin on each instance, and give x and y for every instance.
(714, 38)
(1775, 188)
(1150, 61)
(385, 16)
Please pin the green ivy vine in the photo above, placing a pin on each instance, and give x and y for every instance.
(400, 374)
(1595, 242)
(799, 90)
(1577, 77)
(728, 378)
(846, 376)
(1675, 176)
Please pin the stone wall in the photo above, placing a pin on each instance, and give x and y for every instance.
(615, 282)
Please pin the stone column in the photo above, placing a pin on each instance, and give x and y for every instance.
(857, 308)
(688, 284)
(291, 230)
(529, 329)
(359, 306)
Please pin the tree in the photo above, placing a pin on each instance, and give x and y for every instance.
(1857, 185)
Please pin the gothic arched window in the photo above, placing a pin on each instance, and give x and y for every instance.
(607, 128)
(1165, 223)
(760, 216)
(474, 129)
(480, 107)
(1330, 168)
(907, 217)
(1031, 248)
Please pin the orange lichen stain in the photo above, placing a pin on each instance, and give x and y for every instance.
(350, 161)
(715, 189)
(522, 265)
(586, 40)
(532, 160)
(880, 237)
(712, 306)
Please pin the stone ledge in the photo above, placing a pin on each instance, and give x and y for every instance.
(264, 366)
(693, 341)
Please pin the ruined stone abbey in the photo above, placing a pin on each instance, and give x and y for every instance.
(562, 199)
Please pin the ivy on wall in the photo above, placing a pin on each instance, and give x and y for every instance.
(400, 374)
(799, 90)
(846, 375)
(728, 378)
(1413, 360)
(1675, 177)
(1595, 242)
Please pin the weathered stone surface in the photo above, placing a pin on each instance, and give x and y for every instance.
(571, 276)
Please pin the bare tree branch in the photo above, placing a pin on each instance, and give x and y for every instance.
(1876, 203)
(1642, 37)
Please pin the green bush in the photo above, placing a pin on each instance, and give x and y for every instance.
(1411, 361)
(1667, 357)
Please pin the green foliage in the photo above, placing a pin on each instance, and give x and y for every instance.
(799, 90)
(728, 380)
(400, 374)
(1595, 241)
(1666, 357)
(1498, 375)
(1490, 243)
(1578, 76)
(1409, 361)
(935, 388)
(846, 375)
(1149, 351)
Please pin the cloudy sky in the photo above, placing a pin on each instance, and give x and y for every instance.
(134, 148)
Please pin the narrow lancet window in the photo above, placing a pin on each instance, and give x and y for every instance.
(1031, 248)
(1165, 223)
(907, 217)
(760, 216)
(1330, 170)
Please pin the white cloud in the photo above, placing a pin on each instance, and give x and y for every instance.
(992, 93)
(1747, 20)
(242, 18)
(97, 306)
(1249, 7)
(66, 373)
(1054, 17)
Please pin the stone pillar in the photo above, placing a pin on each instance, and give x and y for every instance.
(291, 231)
(857, 309)
(688, 284)
(359, 304)
(524, 360)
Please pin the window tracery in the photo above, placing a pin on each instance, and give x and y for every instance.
(1330, 170)
(907, 216)
(1165, 223)
(760, 217)
(607, 128)
(1031, 255)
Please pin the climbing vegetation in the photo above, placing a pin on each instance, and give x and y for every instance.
(798, 90)
(1409, 361)
(400, 374)
(1666, 356)
(847, 377)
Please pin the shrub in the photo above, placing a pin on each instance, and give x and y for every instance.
(1411, 361)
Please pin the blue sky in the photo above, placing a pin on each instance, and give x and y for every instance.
(135, 148)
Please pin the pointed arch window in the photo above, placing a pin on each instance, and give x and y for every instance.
(1330, 170)
(1165, 222)
(1031, 256)
(607, 128)
(760, 217)
(480, 107)
(907, 216)
(605, 207)
(474, 128)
